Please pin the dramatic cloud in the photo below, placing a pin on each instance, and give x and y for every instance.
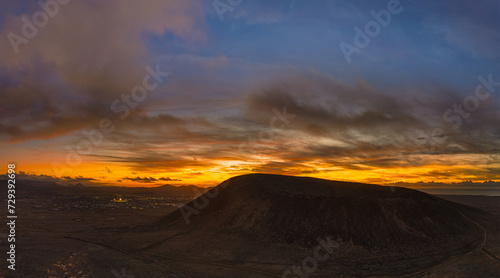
(87, 55)
(150, 179)
(266, 89)
(78, 179)
(41, 180)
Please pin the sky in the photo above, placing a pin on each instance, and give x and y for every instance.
(145, 93)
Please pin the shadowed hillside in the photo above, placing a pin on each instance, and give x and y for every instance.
(263, 222)
(288, 209)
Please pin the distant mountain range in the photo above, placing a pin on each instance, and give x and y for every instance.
(79, 188)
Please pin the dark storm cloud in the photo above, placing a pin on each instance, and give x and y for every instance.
(145, 158)
(168, 179)
(78, 179)
(65, 180)
(374, 128)
(325, 105)
(139, 179)
(466, 184)
(31, 176)
(89, 54)
(475, 173)
(369, 127)
(150, 179)
(276, 167)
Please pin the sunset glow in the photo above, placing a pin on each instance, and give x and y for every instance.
(170, 92)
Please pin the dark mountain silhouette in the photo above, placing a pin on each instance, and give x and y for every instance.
(270, 222)
(46, 187)
(288, 209)
(76, 185)
(168, 190)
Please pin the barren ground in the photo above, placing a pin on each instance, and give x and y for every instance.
(54, 243)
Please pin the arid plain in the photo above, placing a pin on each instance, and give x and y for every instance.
(63, 235)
